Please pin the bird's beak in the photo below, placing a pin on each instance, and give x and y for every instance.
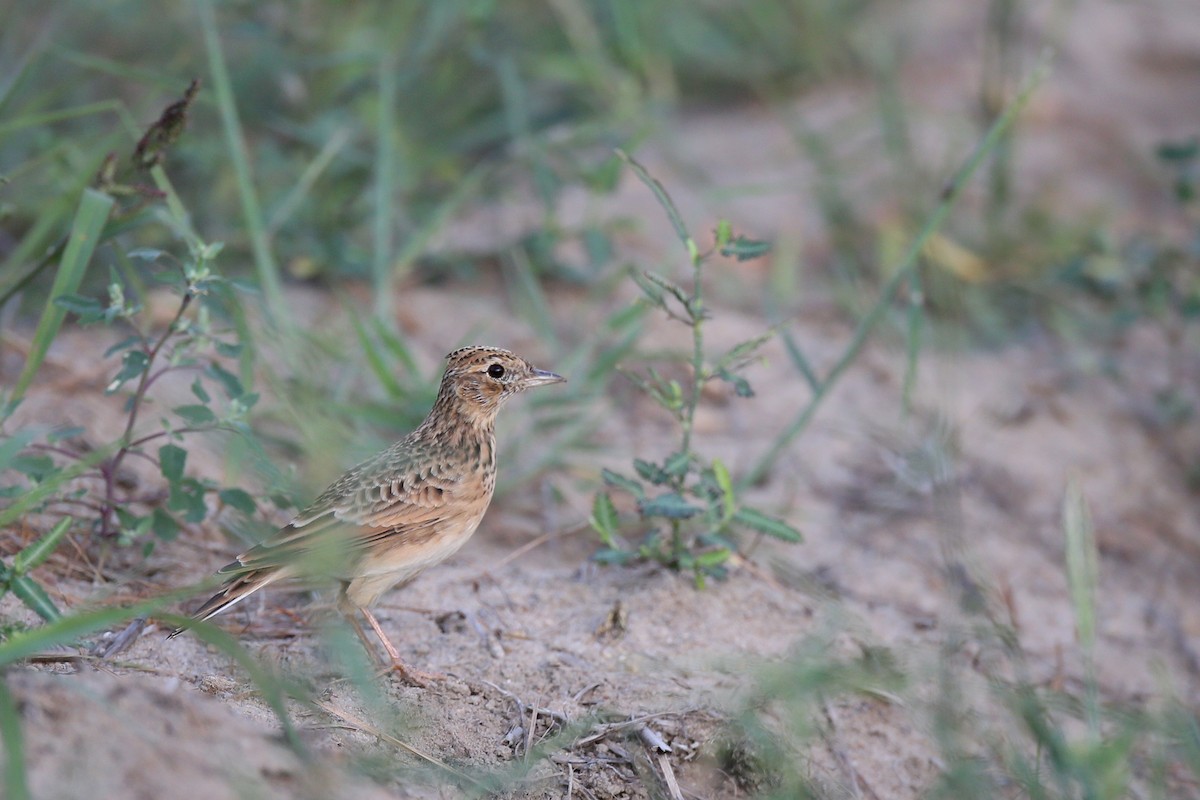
(541, 377)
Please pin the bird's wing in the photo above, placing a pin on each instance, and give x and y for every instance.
(402, 492)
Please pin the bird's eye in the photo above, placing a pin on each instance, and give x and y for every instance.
(496, 371)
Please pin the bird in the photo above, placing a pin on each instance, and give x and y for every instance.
(401, 511)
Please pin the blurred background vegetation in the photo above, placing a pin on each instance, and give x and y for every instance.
(335, 145)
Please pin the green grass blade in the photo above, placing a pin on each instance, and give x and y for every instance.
(1082, 578)
(332, 148)
(528, 297)
(89, 222)
(58, 115)
(873, 317)
(800, 360)
(68, 629)
(35, 554)
(235, 140)
(375, 360)
(415, 242)
(394, 344)
(35, 598)
(36, 245)
(275, 690)
(916, 319)
(15, 785)
(383, 224)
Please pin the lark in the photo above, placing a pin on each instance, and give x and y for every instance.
(402, 511)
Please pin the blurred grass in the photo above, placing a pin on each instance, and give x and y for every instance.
(336, 142)
(16, 786)
(346, 129)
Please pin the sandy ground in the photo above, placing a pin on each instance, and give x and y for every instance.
(548, 636)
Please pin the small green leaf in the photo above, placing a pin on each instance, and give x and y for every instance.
(744, 249)
(651, 472)
(133, 364)
(652, 292)
(200, 392)
(1185, 150)
(771, 526)
(233, 386)
(238, 499)
(671, 505)
(171, 460)
(604, 519)
(146, 254)
(196, 415)
(229, 349)
(611, 555)
(725, 482)
(619, 481)
(11, 446)
(742, 352)
(661, 195)
(88, 307)
(124, 344)
(163, 525)
(62, 434)
(723, 233)
(133, 527)
(187, 497)
(713, 558)
(741, 386)
(670, 287)
(35, 466)
(677, 464)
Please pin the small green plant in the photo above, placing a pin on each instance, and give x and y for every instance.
(189, 343)
(689, 504)
(67, 469)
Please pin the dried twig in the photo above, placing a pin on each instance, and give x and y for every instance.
(653, 740)
(664, 764)
(111, 644)
(603, 729)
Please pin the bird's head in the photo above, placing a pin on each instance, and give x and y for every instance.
(479, 379)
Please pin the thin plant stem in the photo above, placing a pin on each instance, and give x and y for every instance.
(916, 316)
(159, 434)
(144, 381)
(109, 468)
(696, 313)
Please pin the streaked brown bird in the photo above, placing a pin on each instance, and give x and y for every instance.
(402, 511)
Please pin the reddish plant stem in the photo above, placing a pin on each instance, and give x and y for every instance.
(109, 467)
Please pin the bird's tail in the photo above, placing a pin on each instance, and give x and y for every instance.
(236, 589)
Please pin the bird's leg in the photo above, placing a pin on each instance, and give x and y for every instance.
(413, 676)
